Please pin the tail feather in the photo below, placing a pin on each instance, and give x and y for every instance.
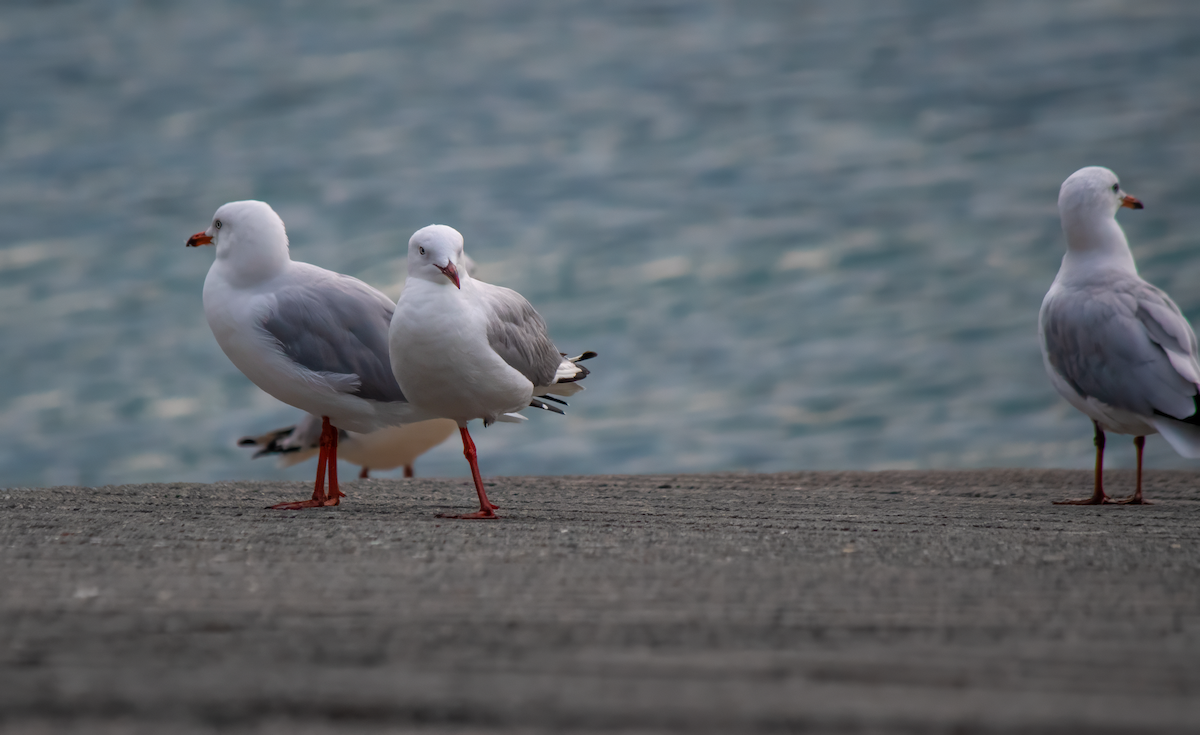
(508, 418)
(1184, 438)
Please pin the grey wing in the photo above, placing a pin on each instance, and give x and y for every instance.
(518, 334)
(1105, 342)
(1169, 329)
(338, 325)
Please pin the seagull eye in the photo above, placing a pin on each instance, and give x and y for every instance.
(422, 250)
(1116, 187)
(217, 224)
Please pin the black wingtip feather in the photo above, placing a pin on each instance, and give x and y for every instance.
(583, 371)
(537, 403)
(270, 447)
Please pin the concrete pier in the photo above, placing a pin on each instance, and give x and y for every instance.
(851, 602)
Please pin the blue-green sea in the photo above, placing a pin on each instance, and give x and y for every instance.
(801, 235)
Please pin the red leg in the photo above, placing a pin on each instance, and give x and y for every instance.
(335, 492)
(1136, 498)
(364, 473)
(1098, 496)
(408, 470)
(486, 509)
(326, 463)
(322, 462)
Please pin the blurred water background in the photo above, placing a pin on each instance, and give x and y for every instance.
(799, 234)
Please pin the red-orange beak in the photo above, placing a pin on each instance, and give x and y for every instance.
(451, 273)
(1131, 202)
(199, 239)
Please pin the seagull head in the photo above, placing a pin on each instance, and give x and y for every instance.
(249, 236)
(1096, 191)
(1087, 203)
(435, 253)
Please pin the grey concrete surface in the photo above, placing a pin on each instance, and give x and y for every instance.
(847, 602)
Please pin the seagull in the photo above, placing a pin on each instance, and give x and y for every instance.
(312, 338)
(382, 449)
(463, 349)
(1117, 348)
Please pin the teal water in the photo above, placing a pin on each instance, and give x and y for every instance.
(800, 235)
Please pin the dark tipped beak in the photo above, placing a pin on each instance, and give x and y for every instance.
(199, 239)
(451, 273)
(1131, 202)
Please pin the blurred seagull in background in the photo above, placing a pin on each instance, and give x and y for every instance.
(463, 349)
(1117, 348)
(312, 338)
(382, 449)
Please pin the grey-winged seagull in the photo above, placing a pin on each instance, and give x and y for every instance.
(1117, 348)
(463, 349)
(312, 338)
(382, 449)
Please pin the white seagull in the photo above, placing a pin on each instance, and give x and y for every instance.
(1117, 348)
(463, 349)
(312, 338)
(382, 449)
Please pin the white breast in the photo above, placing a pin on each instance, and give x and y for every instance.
(442, 359)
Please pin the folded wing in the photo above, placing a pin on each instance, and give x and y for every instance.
(1125, 344)
(337, 328)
